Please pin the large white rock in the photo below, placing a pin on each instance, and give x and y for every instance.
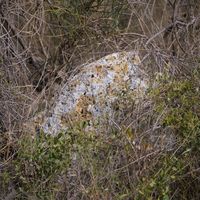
(90, 94)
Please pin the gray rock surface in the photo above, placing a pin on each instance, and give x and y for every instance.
(90, 94)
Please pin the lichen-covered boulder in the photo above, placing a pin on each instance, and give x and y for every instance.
(91, 93)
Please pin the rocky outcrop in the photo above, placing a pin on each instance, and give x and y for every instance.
(90, 95)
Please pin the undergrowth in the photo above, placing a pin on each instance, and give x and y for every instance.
(175, 174)
(41, 41)
(85, 165)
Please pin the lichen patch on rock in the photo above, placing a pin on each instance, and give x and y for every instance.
(91, 93)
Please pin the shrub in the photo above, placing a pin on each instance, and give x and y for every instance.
(175, 174)
(39, 162)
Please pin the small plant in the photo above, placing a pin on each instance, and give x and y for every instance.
(157, 184)
(40, 161)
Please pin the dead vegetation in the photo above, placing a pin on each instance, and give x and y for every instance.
(44, 42)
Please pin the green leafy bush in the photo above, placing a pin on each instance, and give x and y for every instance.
(175, 174)
(39, 162)
(43, 161)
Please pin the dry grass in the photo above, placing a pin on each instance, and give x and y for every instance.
(43, 42)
